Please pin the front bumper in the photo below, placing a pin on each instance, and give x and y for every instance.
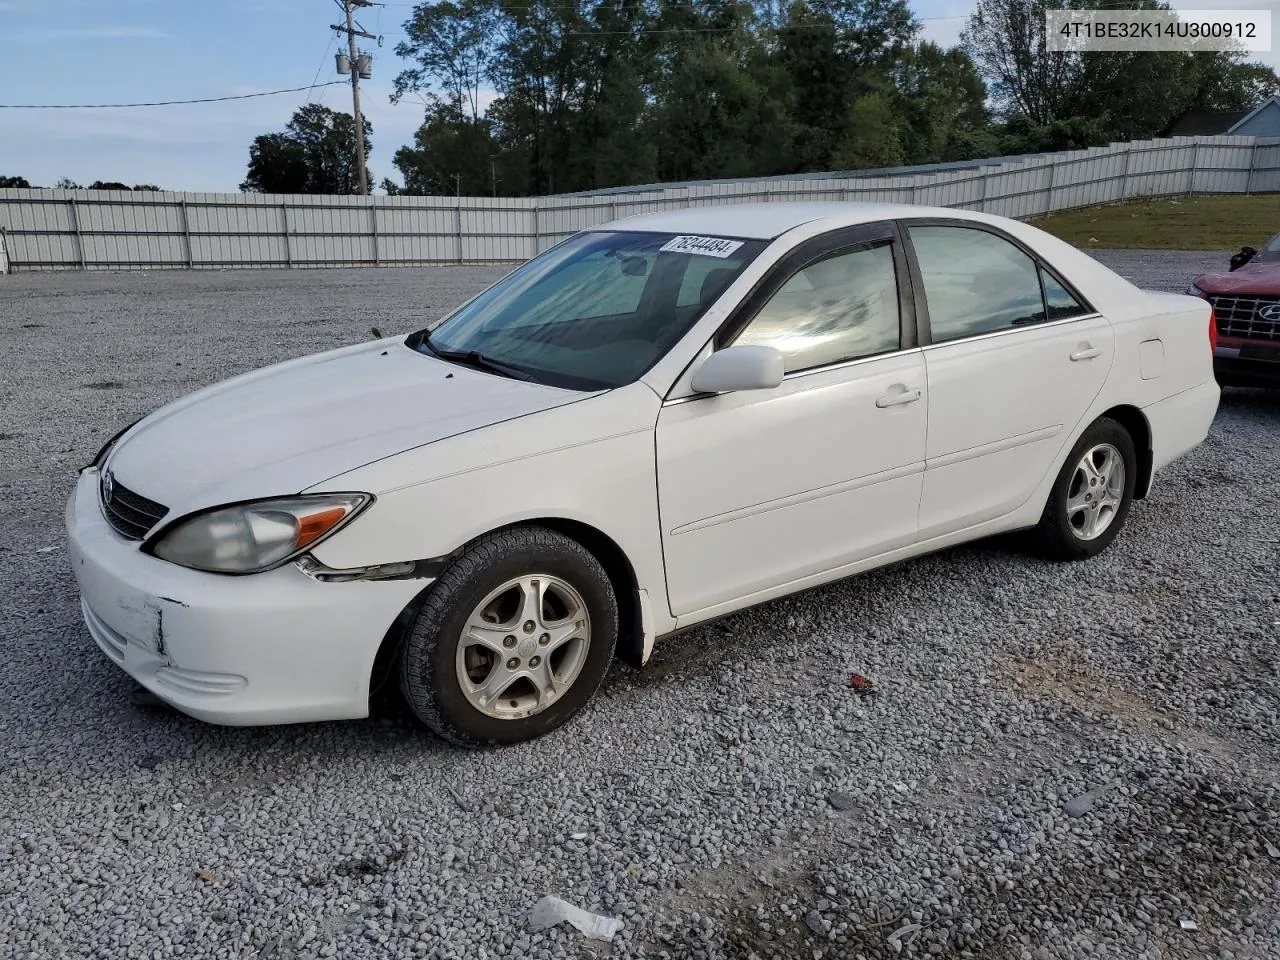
(1246, 363)
(274, 647)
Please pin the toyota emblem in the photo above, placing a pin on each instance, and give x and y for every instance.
(1270, 312)
(108, 486)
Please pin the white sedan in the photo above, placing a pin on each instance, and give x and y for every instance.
(658, 421)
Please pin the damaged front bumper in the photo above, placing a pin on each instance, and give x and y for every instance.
(273, 647)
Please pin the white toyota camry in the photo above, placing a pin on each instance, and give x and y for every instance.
(656, 422)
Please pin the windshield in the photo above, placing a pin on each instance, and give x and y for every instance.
(1271, 251)
(594, 312)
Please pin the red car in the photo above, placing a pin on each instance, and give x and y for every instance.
(1246, 302)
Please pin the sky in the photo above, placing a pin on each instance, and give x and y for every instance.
(126, 51)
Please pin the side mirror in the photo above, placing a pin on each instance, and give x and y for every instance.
(739, 368)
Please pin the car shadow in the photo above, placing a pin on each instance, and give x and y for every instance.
(1250, 399)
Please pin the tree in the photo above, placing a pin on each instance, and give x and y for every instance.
(66, 183)
(835, 52)
(14, 182)
(316, 153)
(542, 58)
(148, 187)
(572, 95)
(631, 91)
(721, 104)
(721, 110)
(1089, 98)
(108, 185)
(453, 46)
(874, 130)
(450, 155)
(604, 137)
(1021, 135)
(597, 94)
(942, 101)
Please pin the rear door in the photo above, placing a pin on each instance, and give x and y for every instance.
(1014, 359)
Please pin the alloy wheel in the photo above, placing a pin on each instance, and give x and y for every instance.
(1095, 492)
(523, 646)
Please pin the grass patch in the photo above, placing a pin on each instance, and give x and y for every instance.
(1215, 222)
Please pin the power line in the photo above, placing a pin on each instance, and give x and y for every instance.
(156, 103)
(676, 31)
(638, 31)
(324, 57)
(534, 6)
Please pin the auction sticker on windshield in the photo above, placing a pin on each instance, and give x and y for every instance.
(704, 246)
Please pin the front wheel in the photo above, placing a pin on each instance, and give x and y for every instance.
(1092, 495)
(512, 640)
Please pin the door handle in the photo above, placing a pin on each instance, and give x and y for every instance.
(1086, 352)
(897, 399)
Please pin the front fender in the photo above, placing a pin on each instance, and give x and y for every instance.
(589, 463)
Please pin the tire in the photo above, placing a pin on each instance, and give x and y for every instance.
(445, 678)
(1064, 531)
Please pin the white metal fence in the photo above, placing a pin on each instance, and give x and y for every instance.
(93, 229)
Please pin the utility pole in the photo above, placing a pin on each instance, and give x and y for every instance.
(358, 65)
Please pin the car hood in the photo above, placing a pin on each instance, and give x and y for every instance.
(1253, 279)
(281, 429)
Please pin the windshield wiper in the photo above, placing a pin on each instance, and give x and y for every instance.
(476, 359)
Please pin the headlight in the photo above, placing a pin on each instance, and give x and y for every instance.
(1194, 291)
(251, 537)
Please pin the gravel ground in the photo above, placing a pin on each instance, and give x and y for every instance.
(1051, 761)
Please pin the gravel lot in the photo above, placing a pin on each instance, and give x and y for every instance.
(1056, 761)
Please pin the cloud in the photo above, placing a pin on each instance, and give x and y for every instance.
(98, 33)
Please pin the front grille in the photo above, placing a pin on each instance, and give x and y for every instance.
(130, 514)
(1242, 317)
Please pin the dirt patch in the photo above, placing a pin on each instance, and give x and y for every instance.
(1181, 849)
(1088, 690)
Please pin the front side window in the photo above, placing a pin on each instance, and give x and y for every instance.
(842, 307)
(975, 282)
(594, 312)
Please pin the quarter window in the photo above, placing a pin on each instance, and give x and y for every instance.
(841, 307)
(975, 282)
(1058, 301)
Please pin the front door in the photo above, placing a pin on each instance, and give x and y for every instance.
(762, 488)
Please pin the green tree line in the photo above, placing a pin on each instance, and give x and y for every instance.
(598, 94)
(65, 184)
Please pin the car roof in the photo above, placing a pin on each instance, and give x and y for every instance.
(765, 221)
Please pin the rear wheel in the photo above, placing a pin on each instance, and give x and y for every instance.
(1092, 495)
(512, 640)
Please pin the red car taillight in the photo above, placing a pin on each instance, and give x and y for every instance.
(1213, 331)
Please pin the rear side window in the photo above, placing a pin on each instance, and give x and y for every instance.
(975, 282)
(841, 307)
